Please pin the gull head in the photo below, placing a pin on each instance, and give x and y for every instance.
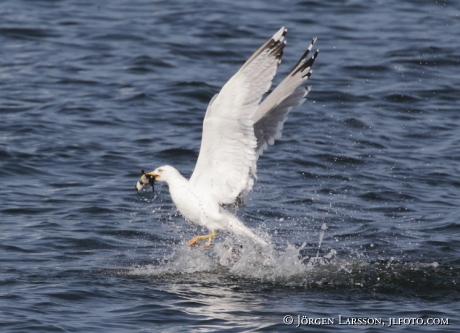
(159, 174)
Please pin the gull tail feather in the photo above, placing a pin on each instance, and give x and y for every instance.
(234, 225)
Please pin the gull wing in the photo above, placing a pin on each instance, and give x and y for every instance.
(272, 112)
(228, 146)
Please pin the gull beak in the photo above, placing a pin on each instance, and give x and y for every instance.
(147, 178)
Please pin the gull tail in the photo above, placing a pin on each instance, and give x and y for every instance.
(234, 225)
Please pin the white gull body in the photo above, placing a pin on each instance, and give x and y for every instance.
(237, 128)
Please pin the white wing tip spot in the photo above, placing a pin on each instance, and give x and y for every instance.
(279, 36)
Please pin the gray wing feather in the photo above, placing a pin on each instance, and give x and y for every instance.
(272, 112)
(228, 147)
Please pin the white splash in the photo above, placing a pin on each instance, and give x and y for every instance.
(242, 258)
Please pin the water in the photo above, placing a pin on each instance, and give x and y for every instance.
(359, 199)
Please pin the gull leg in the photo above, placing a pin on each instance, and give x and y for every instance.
(196, 239)
(208, 243)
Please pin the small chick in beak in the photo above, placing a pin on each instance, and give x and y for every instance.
(146, 179)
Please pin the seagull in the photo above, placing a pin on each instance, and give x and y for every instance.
(237, 128)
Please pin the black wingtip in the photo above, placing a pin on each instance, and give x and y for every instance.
(284, 32)
(302, 64)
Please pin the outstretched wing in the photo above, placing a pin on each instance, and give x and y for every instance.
(228, 145)
(272, 112)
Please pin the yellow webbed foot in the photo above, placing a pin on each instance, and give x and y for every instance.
(196, 239)
(193, 241)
